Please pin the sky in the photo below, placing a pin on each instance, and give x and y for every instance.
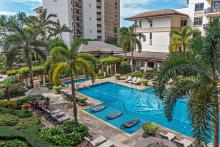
(128, 7)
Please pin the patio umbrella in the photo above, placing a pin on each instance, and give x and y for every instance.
(154, 142)
(37, 91)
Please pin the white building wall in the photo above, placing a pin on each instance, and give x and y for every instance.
(89, 19)
(160, 40)
(62, 8)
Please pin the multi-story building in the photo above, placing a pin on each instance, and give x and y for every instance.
(91, 19)
(157, 25)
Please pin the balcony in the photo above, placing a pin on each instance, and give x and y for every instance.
(212, 12)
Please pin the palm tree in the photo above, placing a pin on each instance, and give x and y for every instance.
(129, 41)
(67, 59)
(58, 29)
(24, 39)
(195, 74)
(181, 39)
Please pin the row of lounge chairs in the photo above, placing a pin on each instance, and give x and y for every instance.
(56, 116)
(134, 80)
(172, 137)
(99, 142)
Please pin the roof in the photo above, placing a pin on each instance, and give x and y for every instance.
(99, 46)
(157, 13)
(38, 9)
(145, 55)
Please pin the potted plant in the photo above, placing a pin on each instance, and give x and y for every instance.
(82, 100)
(57, 89)
(149, 129)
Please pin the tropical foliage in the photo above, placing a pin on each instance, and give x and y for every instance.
(180, 40)
(129, 42)
(66, 58)
(195, 74)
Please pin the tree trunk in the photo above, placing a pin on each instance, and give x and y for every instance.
(7, 93)
(73, 95)
(30, 72)
(132, 60)
(216, 111)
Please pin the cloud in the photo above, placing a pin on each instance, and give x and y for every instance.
(8, 13)
(27, 1)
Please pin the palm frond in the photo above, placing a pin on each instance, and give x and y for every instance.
(57, 70)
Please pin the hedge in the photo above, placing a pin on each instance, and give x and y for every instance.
(24, 71)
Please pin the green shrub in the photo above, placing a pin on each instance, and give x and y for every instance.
(149, 128)
(144, 82)
(81, 99)
(69, 133)
(3, 71)
(57, 89)
(27, 122)
(8, 120)
(24, 71)
(2, 95)
(117, 76)
(12, 143)
(18, 113)
(138, 74)
(5, 104)
(125, 67)
(29, 100)
(11, 72)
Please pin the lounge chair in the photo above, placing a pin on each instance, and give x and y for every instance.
(128, 79)
(130, 123)
(108, 143)
(133, 80)
(62, 119)
(137, 81)
(97, 109)
(184, 142)
(170, 136)
(115, 115)
(58, 115)
(98, 141)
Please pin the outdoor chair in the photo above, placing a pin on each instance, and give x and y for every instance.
(133, 80)
(184, 142)
(137, 81)
(128, 79)
(168, 135)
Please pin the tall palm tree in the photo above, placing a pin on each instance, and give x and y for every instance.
(195, 74)
(24, 39)
(67, 59)
(180, 39)
(129, 41)
(58, 29)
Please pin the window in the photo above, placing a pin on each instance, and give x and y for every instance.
(198, 21)
(90, 18)
(183, 23)
(90, 31)
(150, 39)
(54, 1)
(150, 64)
(90, 5)
(140, 24)
(199, 7)
(151, 22)
(216, 5)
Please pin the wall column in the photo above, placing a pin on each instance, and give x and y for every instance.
(145, 65)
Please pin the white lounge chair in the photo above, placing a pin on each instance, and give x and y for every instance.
(170, 136)
(62, 119)
(137, 81)
(108, 143)
(133, 80)
(128, 79)
(184, 142)
(98, 141)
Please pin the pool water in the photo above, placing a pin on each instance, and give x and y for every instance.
(134, 104)
(77, 81)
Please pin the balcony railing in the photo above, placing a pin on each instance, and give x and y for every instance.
(212, 10)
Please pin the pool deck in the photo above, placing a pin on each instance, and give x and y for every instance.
(97, 126)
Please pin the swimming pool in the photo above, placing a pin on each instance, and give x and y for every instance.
(143, 105)
(77, 81)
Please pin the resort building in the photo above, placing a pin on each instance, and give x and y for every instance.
(91, 19)
(157, 26)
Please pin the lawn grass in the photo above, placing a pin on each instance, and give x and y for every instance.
(29, 135)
